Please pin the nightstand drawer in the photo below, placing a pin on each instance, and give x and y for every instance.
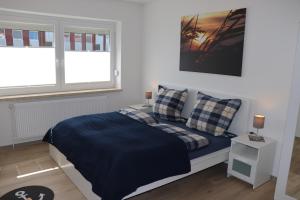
(241, 167)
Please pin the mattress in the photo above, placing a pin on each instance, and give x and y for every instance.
(216, 143)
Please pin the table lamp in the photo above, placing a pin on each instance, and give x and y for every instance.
(148, 96)
(258, 122)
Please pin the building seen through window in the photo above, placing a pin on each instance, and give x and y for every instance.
(25, 38)
(72, 41)
(86, 42)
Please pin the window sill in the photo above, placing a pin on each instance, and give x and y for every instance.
(57, 94)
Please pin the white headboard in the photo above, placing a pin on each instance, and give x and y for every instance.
(240, 123)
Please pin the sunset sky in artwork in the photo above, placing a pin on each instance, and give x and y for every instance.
(208, 23)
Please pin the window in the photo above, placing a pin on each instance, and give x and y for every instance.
(67, 41)
(18, 38)
(87, 58)
(33, 39)
(34, 60)
(2, 37)
(89, 43)
(25, 61)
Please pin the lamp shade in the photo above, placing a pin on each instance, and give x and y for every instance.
(148, 95)
(259, 121)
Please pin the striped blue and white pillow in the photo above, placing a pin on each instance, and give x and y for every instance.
(169, 103)
(213, 115)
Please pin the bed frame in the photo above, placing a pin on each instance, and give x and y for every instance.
(239, 126)
(85, 187)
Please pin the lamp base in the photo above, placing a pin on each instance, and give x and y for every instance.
(257, 132)
(147, 105)
(256, 138)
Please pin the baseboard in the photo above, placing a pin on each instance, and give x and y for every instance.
(23, 142)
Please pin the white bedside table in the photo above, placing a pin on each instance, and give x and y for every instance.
(142, 107)
(251, 161)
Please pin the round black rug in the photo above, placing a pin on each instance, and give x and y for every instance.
(29, 193)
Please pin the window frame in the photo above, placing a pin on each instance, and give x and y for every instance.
(90, 25)
(59, 23)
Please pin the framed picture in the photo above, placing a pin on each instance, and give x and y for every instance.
(213, 42)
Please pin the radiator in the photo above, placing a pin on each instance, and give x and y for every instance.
(33, 119)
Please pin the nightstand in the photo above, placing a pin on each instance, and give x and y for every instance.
(142, 107)
(251, 161)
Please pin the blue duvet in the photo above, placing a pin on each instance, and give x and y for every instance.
(118, 154)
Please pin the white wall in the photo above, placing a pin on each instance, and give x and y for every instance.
(130, 16)
(269, 51)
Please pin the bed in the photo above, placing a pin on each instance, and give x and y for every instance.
(216, 152)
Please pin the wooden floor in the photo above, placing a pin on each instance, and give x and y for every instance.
(293, 187)
(31, 165)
